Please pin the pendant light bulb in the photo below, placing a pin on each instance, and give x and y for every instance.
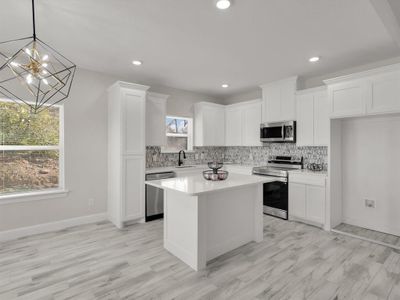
(29, 79)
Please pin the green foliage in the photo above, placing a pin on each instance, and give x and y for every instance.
(18, 126)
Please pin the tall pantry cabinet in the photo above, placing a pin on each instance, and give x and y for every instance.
(126, 152)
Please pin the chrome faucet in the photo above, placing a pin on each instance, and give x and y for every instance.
(180, 162)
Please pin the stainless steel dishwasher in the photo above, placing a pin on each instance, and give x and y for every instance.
(155, 196)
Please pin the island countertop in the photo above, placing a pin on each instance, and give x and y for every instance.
(194, 185)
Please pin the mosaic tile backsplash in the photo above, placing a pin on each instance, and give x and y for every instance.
(200, 155)
(238, 155)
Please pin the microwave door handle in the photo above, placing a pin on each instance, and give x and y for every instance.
(283, 132)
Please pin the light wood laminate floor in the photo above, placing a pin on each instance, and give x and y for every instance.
(295, 261)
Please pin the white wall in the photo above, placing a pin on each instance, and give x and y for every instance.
(85, 153)
(85, 158)
(253, 94)
(180, 103)
(371, 170)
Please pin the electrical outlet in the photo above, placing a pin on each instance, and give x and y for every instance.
(369, 203)
(91, 203)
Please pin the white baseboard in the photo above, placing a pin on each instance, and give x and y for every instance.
(49, 227)
(371, 226)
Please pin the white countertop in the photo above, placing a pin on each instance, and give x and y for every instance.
(309, 172)
(195, 184)
(175, 169)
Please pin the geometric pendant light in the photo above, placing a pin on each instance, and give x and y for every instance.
(33, 73)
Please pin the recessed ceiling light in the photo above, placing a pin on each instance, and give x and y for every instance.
(225, 85)
(137, 62)
(223, 4)
(314, 59)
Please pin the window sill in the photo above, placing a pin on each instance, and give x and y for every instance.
(33, 196)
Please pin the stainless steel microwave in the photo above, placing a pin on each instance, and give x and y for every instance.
(284, 132)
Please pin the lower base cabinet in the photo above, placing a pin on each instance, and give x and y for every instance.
(307, 198)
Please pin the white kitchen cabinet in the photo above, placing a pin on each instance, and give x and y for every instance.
(321, 119)
(156, 111)
(251, 121)
(307, 198)
(297, 200)
(243, 123)
(305, 120)
(279, 103)
(385, 94)
(371, 92)
(315, 203)
(209, 124)
(233, 125)
(347, 99)
(126, 152)
(312, 117)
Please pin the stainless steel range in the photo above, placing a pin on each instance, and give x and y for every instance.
(276, 193)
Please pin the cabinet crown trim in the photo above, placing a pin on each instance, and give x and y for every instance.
(363, 74)
(158, 96)
(312, 90)
(123, 84)
(205, 103)
(249, 102)
(290, 79)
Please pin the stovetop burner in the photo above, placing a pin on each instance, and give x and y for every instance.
(279, 166)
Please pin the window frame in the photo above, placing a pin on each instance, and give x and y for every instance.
(189, 135)
(60, 191)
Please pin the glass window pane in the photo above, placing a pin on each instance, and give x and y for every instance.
(175, 144)
(19, 127)
(182, 126)
(172, 126)
(24, 171)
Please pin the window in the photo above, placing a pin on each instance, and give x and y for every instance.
(179, 133)
(31, 149)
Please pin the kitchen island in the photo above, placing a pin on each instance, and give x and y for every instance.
(205, 219)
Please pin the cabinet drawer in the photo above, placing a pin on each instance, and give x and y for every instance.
(309, 179)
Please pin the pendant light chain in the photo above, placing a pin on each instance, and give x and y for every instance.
(33, 19)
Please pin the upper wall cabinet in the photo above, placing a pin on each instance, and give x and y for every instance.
(385, 93)
(312, 117)
(242, 124)
(156, 111)
(209, 124)
(233, 125)
(279, 101)
(347, 99)
(367, 93)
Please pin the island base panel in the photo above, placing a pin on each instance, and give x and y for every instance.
(200, 228)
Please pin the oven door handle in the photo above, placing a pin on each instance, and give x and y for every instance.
(277, 179)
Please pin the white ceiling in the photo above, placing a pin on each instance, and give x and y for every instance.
(189, 44)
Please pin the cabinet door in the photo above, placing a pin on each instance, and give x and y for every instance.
(385, 91)
(251, 124)
(288, 101)
(133, 188)
(297, 200)
(347, 100)
(134, 115)
(213, 126)
(315, 204)
(156, 110)
(305, 120)
(233, 126)
(272, 103)
(321, 119)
